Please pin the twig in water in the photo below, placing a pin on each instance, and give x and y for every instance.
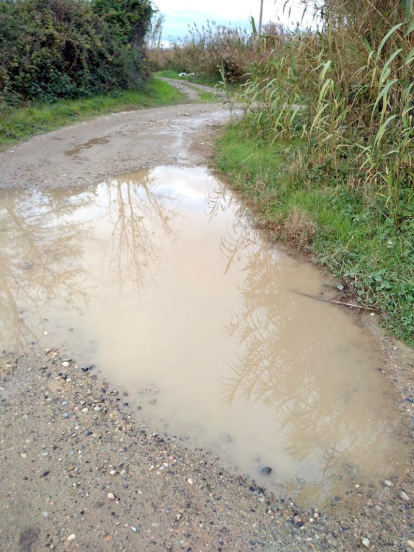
(351, 305)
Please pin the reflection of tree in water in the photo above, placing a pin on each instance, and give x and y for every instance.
(39, 260)
(42, 240)
(285, 377)
(142, 218)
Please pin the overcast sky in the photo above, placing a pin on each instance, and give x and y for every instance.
(180, 13)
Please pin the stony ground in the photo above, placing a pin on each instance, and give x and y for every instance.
(79, 470)
(114, 144)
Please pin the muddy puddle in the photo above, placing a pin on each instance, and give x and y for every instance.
(159, 280)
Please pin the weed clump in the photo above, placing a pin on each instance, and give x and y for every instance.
(299, 229)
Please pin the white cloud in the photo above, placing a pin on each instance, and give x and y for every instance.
(227, 9)
(180, 13)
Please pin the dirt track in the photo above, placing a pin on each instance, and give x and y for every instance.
(114, 144)
(78, 469)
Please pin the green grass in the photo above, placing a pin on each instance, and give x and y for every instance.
(17, 124)
(374, 261)
(197, 79)
(206, 97)
(168, 73)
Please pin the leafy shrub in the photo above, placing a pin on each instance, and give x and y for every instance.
(52, 49)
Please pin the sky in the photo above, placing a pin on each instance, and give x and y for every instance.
(180, 13)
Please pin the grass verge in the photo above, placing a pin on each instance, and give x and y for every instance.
(17, 124)
(328, 220)
(207, 97)
(197, 79)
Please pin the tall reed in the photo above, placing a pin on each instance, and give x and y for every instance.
(348, 99)
(213, 50)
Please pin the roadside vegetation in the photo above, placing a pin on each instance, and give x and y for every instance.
(52, 49)
(325, 148)
(213, 52)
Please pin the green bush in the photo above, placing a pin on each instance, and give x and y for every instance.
(52, 49)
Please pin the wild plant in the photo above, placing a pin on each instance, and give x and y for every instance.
(347, 99)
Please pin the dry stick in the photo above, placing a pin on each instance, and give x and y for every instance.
(333, 301)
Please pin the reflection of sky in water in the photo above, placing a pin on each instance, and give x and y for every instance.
(185, 192)
(166, 283)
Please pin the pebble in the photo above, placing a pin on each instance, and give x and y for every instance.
(134, 529)
(111, 496)
(112, 472)
(45, 514)
(71, 537)
(388, 483)
(404, 496)
(66, 415)
(410, 543)
(66, 365)
(365, 542)
(86, 433)
(266, 470)
(178, 517)
(190, 481)
(97, 409)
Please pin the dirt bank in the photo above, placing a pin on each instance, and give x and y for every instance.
(80, 471)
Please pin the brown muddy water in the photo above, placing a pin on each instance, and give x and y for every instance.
(159, 279)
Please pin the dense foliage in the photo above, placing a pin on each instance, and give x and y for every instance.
(52, 49)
